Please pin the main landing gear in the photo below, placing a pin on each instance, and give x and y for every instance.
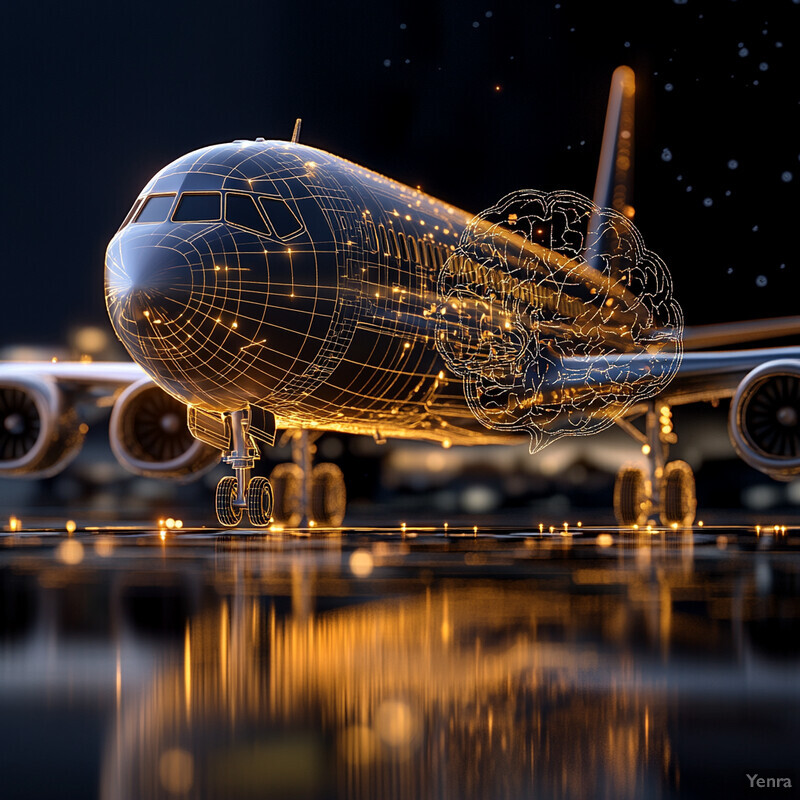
(295, 492)
(316, 493)
(666, 488)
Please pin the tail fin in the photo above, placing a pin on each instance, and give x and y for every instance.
(615, 170)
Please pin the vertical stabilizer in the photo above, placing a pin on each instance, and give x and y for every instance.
(612, 188)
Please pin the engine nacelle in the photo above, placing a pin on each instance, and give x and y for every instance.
(40, 433)
(764, 422)
(149, 436)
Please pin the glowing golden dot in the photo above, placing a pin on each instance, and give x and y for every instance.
(70, 552)
(234, 325)
(646, 449)
(605, 540)
(70, 526)
(361, 563)
(447, 444)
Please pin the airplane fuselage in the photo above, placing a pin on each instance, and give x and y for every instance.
(323, 315)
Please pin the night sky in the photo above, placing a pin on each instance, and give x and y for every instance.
(98, 97)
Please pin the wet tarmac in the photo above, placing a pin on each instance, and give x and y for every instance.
(399, 663)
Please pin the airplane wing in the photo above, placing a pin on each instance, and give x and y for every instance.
(77, 373)
(727, 333)
(701, 376)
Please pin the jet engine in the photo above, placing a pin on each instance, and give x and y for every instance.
(149, 436)
(764, 422)
(40, 433)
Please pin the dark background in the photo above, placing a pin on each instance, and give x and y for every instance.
(469, 100)
(98, 96)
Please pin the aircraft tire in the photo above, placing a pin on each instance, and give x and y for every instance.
(260, 502)
(631, 497)
(227, 514)
(328, 495)
(678, 495)
(287, 480)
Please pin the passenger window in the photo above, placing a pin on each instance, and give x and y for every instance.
(156, 208)
(393, 242)
(198, 207)
(412, 246)
(280, 216)
(384, 240)
(403, 246)
(372, 237)
(241, 210)
(429, 251)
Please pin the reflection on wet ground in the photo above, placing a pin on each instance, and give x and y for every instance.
(399, 663)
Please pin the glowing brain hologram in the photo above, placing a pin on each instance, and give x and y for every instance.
(556, 316)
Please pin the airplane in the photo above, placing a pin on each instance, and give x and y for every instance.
(266, 285)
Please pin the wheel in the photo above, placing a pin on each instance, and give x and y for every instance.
(259, 502)
(227, 514)
(631, 497)
(287, 488)
(328, 495)
(678, 496)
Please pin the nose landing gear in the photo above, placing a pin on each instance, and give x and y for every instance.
(238, 493)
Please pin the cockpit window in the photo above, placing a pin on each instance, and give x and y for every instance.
(198, 207)
(156, 208)
(241, 210)
(280, 216)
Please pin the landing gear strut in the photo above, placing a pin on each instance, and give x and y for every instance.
(665, 487)
(240, 492)
(314, 495)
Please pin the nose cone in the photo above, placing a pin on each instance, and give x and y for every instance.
(147, 283)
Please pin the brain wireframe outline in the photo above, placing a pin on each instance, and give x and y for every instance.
(556, 316)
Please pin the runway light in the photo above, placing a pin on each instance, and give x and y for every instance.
(311, 523)
(699, 523)
(580, 524)
(70, 526)
(361, 563)
(674, 526)
(758, 530)
(14, 524)
(178, 523)
(170, 523)
(541, 527)
(104, 546)
(70, 552)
